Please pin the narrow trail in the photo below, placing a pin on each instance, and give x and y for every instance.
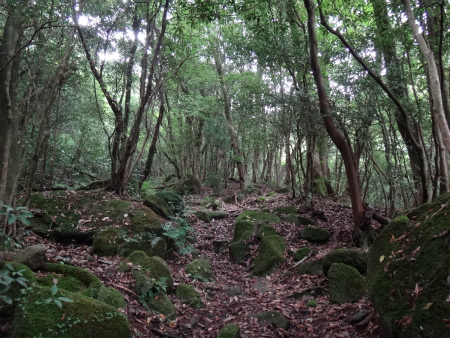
(235, 295)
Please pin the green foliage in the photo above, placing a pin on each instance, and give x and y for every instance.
(53, 299)
(174, 201)
(10, 277)
(21, 214)
(181, 233)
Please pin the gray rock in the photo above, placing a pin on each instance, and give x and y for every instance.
(233, 291)
(274, 318)
(32, 256)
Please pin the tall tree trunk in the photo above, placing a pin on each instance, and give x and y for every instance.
(238, 155)
(338, 139)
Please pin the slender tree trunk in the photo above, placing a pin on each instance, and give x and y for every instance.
(338, 139)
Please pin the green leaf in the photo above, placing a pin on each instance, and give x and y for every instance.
(57, 302)
(54, 289)
(65, 299)
(6, 299)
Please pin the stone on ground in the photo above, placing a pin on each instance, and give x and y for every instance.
(32, 256)
(302, 253)
(229, 331)
(272, 318)
(186, 185)
(201, 269)
(346, 283)
(315, 235)
(155, 266)
(353, 257)
(270, 255)
(158, 205)
(189, 295)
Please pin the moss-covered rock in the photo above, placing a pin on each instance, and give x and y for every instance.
(229, 331)
(408, 269)
(287, 210)
(266, 230)
(346, 283)
(32, 256)
(353, 257)
(202, 216)
(188, 184)
(238, 252)
(291, 218)
(216, 214)
(146, 220)
(83, 318)
(71, 278)
(155, 266)
(144, 241)
(243, 230)
(258, 217)
(302, 253)
(16, 271)
(189, 295)
(270, 255)
(313, 268)
(201, 269)
(113, 208)
(175, 202)
(272, 318)
(161, 304)
(305, 220)
(111, 297)
(108, 241)
(158, 205)
(315, 235)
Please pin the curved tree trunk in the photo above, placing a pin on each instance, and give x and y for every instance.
(331, 128)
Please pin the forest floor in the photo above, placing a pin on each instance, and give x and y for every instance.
(257, 294)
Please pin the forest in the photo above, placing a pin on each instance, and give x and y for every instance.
(337, 107)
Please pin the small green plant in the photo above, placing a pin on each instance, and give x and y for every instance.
(18, 214)
(158, 285)
(8, 277)
(52, 299)
(181, 233)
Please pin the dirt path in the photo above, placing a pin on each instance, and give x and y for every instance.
(236, 295)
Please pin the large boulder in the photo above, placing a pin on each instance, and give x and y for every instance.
(408, 272)
(188, 184)
(315, 234)
(83, 317)
(175, 202)
(156, 267)
(270, 255)
(108, 241)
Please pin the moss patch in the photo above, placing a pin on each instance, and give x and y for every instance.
(86, 283)
(146, 220)
(346, 283)
(150, 244)
(409, 254)
(352, 257)
(158, 205)
(270, 255)
(257, 216)
(272, 318)
(175, 202)
(155, 266)
(302, 253)
(266, 230)
(229, 331)
(188, 184)
(108, 241)
(189, 295)
(84, 318)
(238, 252)
(290, 209)
(161, 304)
(111, 297)
(201, 269)
(243, 230)
(312, 268)
(315, 235)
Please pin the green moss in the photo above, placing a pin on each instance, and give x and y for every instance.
(305, 220)
(201, 269)
(312, 268)
(151, 245)
(238, 252)
(320, 188)
(146, 220)
(270, 255)
(68, 283)
(243, 230)
(302, 253)
(158, 205)
(175, 202)
(352, 257)
(315, 235)
(266, 230)
(346, 283)
(111, 297)
(257, 216)
(311, 303)
(229, 331)
(189, 295)
(270, 194)
(112, 208)
(91, 282)
(216, 214)
(291, 218)
(19, 270)
(155, 266)
(260, 200)
(108, 241)
(161, 304)
(188, 184)
(408, 255)
(83, 318)
(290, 209)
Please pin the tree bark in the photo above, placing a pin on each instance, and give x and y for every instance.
(331, 128)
